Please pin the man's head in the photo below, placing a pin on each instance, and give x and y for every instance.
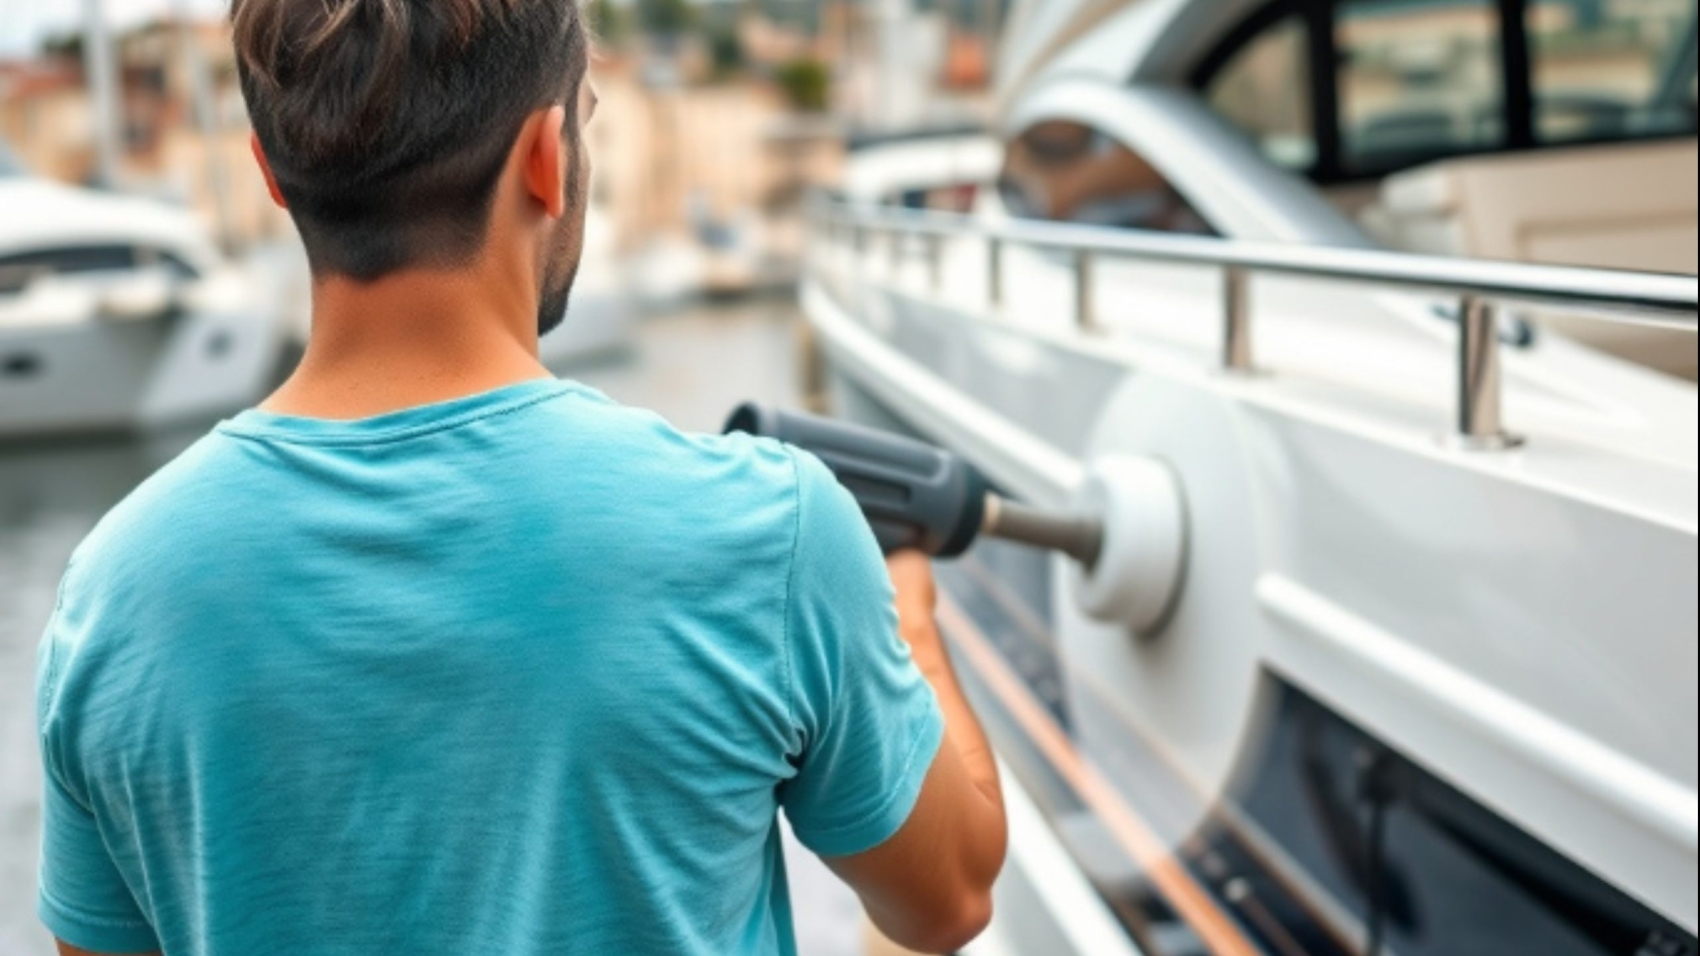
(391, 128)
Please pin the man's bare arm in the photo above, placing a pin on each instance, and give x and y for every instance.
(929, 887)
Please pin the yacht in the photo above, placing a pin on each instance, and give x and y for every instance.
(602, 316)
(1401, 296)
(118, 313)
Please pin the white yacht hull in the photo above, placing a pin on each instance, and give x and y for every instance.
(1473, 617)
(597, 324)
(128, 376)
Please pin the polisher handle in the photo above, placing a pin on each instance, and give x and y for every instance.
(913, 494)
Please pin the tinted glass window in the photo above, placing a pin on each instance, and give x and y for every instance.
(1069, 172)
(178, 267)
(1612, 70)
(1419, 79)
(19, 269)
(1265, 90)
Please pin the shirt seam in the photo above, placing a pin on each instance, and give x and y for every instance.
(906, 783)
(406, 433)
(51, 649)
(84, 916)
(791, 588)
(50, 693)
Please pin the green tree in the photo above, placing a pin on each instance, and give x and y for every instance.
(807, 84)
(666, 17)
(725, 50)
(608, 19)
(64, 45)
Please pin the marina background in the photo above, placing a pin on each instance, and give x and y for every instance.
(1364, 418)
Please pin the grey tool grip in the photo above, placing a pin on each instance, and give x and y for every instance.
(913, 495)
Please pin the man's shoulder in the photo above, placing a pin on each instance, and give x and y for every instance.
(648, 454)
(179, 509)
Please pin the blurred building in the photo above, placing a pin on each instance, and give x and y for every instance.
(182, 130)
(46, 117)
(709, 134)
(674, 158)
(908, 64)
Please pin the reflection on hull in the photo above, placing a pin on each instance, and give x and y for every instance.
(1518, 625)
(1328, 842)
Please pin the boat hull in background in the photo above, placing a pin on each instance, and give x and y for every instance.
(100, 376)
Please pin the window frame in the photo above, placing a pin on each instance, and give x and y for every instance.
(1516, 67)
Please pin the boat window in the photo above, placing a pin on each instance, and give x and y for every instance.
(1605, 71)
(1265, 90)
(176, 265)
(19, 269)
(1070, 172)
(1418, 79)
(1366, 88)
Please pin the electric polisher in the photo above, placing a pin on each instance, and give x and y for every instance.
(1126, 531)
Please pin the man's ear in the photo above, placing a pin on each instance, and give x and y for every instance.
(544, 159)
(266, 170)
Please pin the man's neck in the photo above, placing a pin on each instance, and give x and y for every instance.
(410, 339)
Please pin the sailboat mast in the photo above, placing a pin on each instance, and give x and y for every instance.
(101, 75)
(206, 121)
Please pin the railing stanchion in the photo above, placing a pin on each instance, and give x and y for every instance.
(1481, 423)
(1237, 353)
(1085, 301)
(846, 261)
(1667, 302)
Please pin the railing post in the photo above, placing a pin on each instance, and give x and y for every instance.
(1236, 320)
(835, 250)
(1481, 424)
(935, 262)
(855, 276)
(1085, 302)
(994, 272)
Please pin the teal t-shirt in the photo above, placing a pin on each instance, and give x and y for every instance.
(523, 673)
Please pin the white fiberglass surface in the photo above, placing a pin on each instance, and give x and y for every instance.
(1454, 609)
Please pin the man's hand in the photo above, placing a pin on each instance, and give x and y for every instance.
(917, 598)
(929, 887)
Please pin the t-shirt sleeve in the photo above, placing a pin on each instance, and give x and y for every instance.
(867, 723)
(83, 898)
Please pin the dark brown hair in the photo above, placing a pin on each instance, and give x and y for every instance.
(386, 122)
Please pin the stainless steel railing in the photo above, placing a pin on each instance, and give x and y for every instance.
(1482, 287)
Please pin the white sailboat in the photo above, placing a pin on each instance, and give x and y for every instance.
(1429, 683)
